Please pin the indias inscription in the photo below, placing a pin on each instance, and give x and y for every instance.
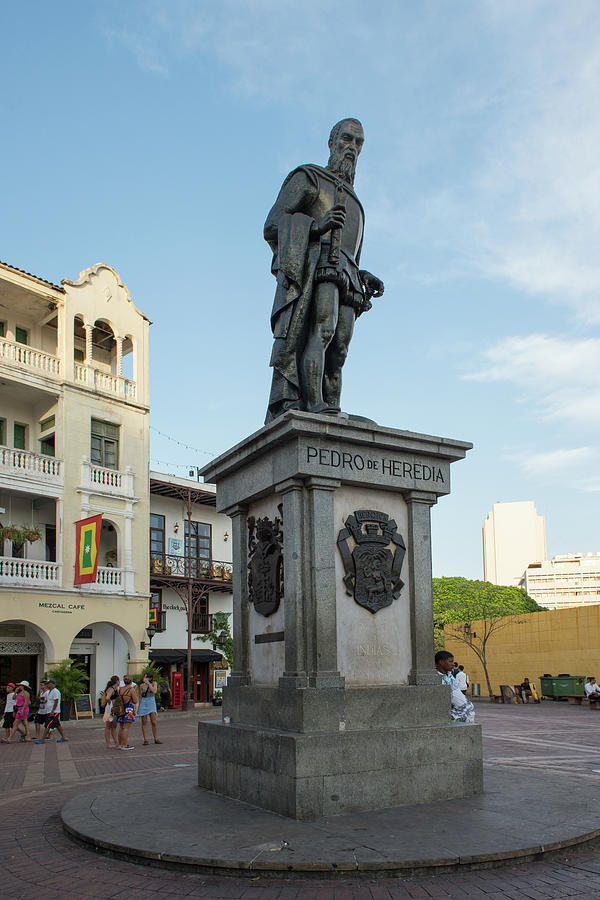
(357, 462)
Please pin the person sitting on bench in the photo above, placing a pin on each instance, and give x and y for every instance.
(525, 690)
(592, 689)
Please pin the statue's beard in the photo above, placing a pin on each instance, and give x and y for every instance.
(343, 166)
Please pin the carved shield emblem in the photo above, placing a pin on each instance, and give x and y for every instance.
(372, 569)
(265, 567)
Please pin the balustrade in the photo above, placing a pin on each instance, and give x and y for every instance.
(108, 580)
(22, 354)
(31, 465)
(104, 381)
(201, 623)
(198, 569)
(28, 572)
(99, 479)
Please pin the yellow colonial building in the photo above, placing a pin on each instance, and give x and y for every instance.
(74, 442)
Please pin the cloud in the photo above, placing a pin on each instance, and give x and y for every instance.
(555, 460)
(570, 466)
(561, 375)
(140, 46)
(489, 114)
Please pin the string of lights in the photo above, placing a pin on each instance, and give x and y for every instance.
(182, 444)
(174, 465)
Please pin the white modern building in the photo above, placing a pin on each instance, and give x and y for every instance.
(514, 536)
(190, 578)
(564, 581)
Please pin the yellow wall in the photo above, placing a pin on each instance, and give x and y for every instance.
(556, 641)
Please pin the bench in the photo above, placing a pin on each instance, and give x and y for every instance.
(577, 701)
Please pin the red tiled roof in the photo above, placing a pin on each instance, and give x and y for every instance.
(56, 287)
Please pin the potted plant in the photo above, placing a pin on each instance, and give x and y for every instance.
(19, 535)
(151, 669)
(217, 699)
(72, 681)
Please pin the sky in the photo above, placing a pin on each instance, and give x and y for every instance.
(154, 136)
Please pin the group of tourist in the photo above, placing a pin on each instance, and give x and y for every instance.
(119, 702)
(16, 713)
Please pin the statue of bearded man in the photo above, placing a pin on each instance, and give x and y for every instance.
(315, 231)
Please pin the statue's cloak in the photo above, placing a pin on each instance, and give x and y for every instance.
(295, 258)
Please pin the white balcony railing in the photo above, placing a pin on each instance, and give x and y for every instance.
(35, 360)
(106, 382)
(29, 572)
(31, 466)
(99, 480)
(109, 581)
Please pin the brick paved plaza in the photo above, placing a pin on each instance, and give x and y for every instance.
(39, 861)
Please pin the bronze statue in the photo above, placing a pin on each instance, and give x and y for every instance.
(315, 231)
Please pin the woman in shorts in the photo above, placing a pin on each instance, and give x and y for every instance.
(147, 707)
(130, 698)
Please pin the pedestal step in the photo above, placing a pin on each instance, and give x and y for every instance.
(307, 776)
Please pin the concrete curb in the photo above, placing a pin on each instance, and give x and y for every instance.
(200, 831)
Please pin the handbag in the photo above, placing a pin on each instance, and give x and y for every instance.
(118, 706)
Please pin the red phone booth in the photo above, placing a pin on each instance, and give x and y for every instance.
(176, 689)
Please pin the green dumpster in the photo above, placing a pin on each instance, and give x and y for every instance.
(547, 686)
(569, 686)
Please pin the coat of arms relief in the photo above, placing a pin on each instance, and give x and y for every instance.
(265, 564)
(372, 569)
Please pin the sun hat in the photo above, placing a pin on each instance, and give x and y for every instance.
(25, 683)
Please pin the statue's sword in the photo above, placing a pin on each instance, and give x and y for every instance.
(336, 233)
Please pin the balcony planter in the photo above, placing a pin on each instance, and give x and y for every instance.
(19, 536)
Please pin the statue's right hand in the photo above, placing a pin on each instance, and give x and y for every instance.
(333, 218)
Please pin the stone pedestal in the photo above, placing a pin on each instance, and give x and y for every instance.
(334, 705)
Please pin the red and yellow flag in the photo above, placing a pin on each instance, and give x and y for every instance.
(87, 542)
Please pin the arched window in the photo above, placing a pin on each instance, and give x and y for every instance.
(78, 340)
(128, 358)
(104, 345)
(109, 545)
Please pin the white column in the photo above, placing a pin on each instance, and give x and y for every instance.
(128, 550)
(59, 537)
(88, 344)
(119, 341)
(129, 475)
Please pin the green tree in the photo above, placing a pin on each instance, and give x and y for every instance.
(70, 678)
(220, 636)
(493, 605)
(153, 670)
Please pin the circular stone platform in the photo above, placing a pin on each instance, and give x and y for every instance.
(168, 821)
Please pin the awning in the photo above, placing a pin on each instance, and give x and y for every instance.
(168, 657)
